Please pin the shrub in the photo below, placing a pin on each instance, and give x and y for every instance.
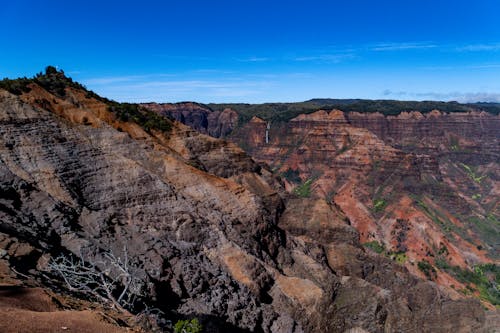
(375, 246)
(304, 190)
(427, 269)
(379, 205)
(188, 326)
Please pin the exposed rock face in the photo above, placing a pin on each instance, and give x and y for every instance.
(214, 123)
(419, 184)
(472, 132)
(207, 226)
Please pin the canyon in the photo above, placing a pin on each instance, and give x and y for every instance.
(424, 186)
(254, 226)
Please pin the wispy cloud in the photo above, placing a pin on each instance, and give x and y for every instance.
(255, 59)
(107, 80)
(143, 88)
(389, 92)
(211, 71)
(327, 58)
(461, 67)
(462, 97)
(402, 46)
(479, 47)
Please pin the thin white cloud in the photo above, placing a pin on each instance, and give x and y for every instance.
(327, 58)
(472, 66)
(161, 88)
(124, 78)
(255, 59)
(402, 46)
(479, 47)
(389, 92)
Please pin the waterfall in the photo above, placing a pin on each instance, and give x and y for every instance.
(268, 127)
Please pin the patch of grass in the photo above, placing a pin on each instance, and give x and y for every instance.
(476, 196)
(379, 205)
(304, 190)
(399, 257)
(472, 174)
(375, 246)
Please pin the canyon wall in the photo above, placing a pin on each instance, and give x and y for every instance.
(424, 187)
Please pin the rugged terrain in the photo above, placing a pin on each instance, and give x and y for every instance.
(205, 231)
(421, 188)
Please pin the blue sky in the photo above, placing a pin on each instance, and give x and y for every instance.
(259, 51)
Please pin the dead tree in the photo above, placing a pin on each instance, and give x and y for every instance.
(111, 280)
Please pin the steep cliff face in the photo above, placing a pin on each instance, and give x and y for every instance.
(218, 124)
(209, 232)
(418, 187)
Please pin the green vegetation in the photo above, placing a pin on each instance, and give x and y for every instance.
(146, 119)
(472, 174)
(443, 250)
(399, 257)
(188, 326)
(485, 277)
(53, 81)
(476, 196)
(379, 205)
(393, 107)
(427, 269)
(375, 246)
(56, 82)
(304, 190)
(442, 263)
(17, 86)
